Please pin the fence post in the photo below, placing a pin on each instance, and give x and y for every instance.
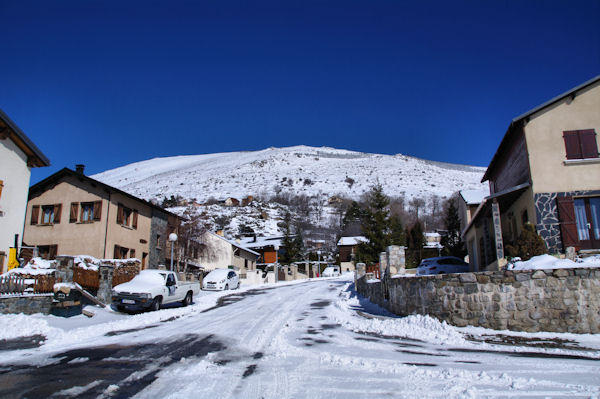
(105, 273)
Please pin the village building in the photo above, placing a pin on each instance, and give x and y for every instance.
(546, 172)
(213, 251)
(18, 155)
(69, 213)
(347, 247)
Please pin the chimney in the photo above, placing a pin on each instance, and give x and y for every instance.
(79, 168)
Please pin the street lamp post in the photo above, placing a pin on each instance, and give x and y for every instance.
(172, 238)
(276, 247)
(318, 263)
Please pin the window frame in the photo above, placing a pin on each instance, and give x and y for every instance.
(580, 144)
(90, 216)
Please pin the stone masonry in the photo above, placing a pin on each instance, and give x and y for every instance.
(561, 300)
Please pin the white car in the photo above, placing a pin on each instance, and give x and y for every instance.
(221, 279)
(331, 271)
(152, 288)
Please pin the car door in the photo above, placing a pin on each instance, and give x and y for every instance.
(171, 285)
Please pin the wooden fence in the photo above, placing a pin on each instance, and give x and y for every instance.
(90, 279)
(26, 283)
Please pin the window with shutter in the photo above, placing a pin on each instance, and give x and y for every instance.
(53, 251)
(132, 253)
(581, 144)
(117, 252)
(57, 213)
(74, 211)
(87, 212)
(568, 224)
(134, 219)
(97, 210)
(35, 214)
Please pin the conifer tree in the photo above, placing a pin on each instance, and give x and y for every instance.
(452, 242)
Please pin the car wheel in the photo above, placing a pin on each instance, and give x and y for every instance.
(188, 299)
(156, 304)
(226, 286)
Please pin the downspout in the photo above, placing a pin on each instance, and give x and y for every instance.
(106, 229)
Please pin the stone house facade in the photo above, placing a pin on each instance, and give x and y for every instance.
(72, 214)
(546, 172)
(18, 155)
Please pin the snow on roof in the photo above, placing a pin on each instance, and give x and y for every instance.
(432, 234)
(235, 244)
(261, 242)
(355, 240)
(474, 197)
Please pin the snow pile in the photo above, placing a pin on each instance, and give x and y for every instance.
(90, 263)
(36, 266)
(413, 327)
(550, 262)
(20, 325)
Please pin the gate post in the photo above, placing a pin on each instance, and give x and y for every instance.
(105, 273)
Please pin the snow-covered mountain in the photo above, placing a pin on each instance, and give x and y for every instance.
(299, 169)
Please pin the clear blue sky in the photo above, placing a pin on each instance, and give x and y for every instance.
(107, 83)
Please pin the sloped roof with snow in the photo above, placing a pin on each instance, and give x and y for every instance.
(474, 197)
(355, 240)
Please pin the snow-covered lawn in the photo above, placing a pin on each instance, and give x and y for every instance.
(302, 339)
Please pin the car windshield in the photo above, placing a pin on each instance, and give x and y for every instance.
(217, 274)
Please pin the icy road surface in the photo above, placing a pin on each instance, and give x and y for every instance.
(312, 339)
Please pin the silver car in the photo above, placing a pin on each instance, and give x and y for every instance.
(442, 265)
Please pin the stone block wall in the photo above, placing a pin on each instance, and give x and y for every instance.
(561, 300)
(27, 304)
(371, 289)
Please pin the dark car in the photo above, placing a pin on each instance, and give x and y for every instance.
(442, 265)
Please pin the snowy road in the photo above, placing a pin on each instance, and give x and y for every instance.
(313, 339)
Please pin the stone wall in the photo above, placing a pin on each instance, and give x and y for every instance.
(28, 304)
(371, 288)
(561, 300)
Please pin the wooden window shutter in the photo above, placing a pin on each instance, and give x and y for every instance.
(35, 214)
(74, 211)
(134, 220)
(132, 253)
(117, 252)
(568, 224)
(97, 210)
(120, 214)
(589, 147)
(52, 251)
(572, 144)
(57, 212)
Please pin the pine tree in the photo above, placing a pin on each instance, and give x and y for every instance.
(375, 225)
(415, 241)
(528, 244)
(452, 242)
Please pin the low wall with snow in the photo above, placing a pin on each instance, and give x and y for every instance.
(27, 304)
(559, 300)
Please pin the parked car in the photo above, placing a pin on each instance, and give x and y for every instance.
(221, 279)
(441, 265)
(152, 288)
(331, 271)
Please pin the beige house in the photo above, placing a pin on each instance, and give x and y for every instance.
(72, 214)
(347, 247)
(220, 253)
(546, 171)
(18, 155)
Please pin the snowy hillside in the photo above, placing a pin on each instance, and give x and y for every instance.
(300, 169)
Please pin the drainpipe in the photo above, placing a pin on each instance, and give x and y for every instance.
(106, 228)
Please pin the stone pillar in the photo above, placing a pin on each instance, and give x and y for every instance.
(570, 253)
(105, 272)
(360, 271)
(396, 259)
(64, 268)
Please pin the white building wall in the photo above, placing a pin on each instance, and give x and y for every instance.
(15, 174)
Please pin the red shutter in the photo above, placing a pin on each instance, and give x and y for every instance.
(572, 145)
(57, 212)
(73, 212)
(35, 214)
(589, 147)
(120, 214)
(97, 210)
(568, 225)
(134, 221)
(117, 252)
